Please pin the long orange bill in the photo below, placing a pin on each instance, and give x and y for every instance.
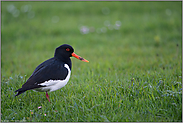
(78, 57)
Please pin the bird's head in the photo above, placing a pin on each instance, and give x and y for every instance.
(65, 51)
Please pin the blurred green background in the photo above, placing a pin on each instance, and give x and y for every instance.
(32, 30)
(122, 40)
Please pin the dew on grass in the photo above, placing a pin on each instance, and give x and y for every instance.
(16, 13)
(26, 8)
(105, 118)
(117, 25)
(13, 118)
(159, 83)
(157, 97)
(103, 29)
(7, 82)
(107, 23)
(21, 77)
(150, 86)
(84, 30)
(105, 10)
(11, 8)
(168, 95)
(174, 104)
(110, 27)
(23, 120)
(55, 19)
(31, 14)
(168, 12)
(75, 104)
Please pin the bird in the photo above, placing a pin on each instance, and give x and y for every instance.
(53, 73)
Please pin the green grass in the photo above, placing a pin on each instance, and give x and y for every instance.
(134, 73)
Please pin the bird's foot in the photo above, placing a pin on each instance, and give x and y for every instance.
(47, 96)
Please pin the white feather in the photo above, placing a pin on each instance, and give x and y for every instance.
(53, 85)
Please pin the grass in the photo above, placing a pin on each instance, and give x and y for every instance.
(135, 68)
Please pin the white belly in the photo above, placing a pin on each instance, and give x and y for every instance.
(53, 85)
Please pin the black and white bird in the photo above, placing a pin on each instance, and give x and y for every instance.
(53, 73)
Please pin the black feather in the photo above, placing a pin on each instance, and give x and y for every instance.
(51, 69)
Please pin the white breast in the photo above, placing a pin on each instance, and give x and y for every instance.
(53, 85)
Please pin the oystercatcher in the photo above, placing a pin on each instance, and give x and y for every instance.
(53, 73)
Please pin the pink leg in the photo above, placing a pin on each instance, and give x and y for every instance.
(47, 96)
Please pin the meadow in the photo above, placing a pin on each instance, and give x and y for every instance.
(134, 50)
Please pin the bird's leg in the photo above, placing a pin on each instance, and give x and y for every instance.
(47, 96)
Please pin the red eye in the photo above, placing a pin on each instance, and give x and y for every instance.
(67, 49)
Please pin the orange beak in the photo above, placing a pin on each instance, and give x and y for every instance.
(78, 57)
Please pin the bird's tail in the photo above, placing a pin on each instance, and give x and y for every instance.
(20, 91)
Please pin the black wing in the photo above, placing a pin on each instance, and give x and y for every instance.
(48, 70)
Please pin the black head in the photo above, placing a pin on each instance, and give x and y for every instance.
(63, 52)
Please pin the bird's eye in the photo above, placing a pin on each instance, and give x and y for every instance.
(67, 49)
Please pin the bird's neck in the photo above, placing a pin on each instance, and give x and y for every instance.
(64, 60)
